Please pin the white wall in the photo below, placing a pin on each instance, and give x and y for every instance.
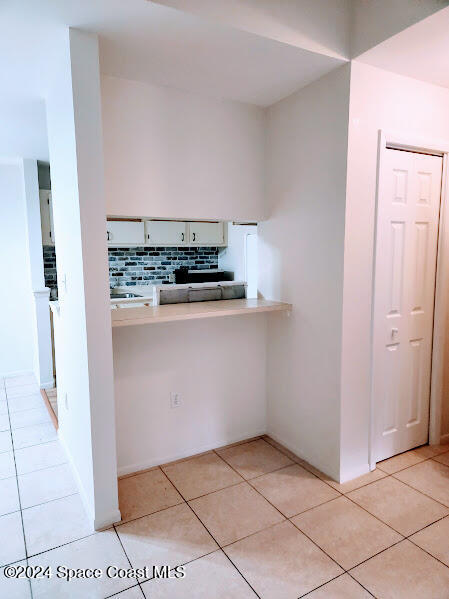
(379, 100)
(374, 21)
(218, 368)
(301, 261)
(43, 360)
(169, 153)
(16, 299)
(84, 369)
(234, 256)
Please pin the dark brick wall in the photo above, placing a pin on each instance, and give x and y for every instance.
(50, 266)
(142, 265)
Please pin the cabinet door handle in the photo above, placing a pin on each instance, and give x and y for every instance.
(182, 236)
(194, 237)
(109, 237)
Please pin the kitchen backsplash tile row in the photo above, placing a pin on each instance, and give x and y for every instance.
(142, 265)
(50, 266)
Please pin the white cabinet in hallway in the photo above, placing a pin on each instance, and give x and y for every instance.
(125, 232)
(206, 233)
(165, 232)
(48, 237)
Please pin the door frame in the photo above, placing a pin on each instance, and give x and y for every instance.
(400, 141)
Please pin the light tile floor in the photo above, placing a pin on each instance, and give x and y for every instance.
(250, 520)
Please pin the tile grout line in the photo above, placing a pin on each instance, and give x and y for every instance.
(369, 513)
(126, 555)
(422, 492)
(285, 519)
(18, 492)
(425, 550)
(332, 580)
(182, 460)
(211, 535)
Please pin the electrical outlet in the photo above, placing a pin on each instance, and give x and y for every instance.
(175, 400)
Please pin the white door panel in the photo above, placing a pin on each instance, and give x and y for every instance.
(406, 250)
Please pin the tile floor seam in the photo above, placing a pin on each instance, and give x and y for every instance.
(411, 465)
(210, 492)
(40, 469)
(425, 550)
(135, 586)
(320, 548)
(422, 492)
(17, 484)
(374, 516)
(164, 509)
(327, 582)
(34, 555)
(20, 428)
(70, 542)
(234, 565)
(36, 444)
(389, 525)
(311, 508)
(29, 507)
(288, 519)
(211, 535)
(358, 582)
(246, 480)
(375, 555)
(127, 557)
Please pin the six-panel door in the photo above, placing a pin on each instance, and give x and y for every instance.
(406, 253)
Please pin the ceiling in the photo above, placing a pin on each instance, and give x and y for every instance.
(158, 44)
(144, 41)
(421, 51)
(277, 49)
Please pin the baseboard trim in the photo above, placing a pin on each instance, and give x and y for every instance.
(97, 524)
(444, 439)
(113, 518)
(50, 410)
(300, 453)
(167, 458)
(354, 473)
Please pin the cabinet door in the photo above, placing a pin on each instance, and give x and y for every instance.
(206, 233)
(165, 232)
(48, 237)
(125, 232)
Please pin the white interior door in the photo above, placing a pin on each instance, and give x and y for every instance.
(406, 252)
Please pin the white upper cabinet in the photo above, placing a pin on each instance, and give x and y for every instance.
(202, 233)
(125, 232)
(48, 237)
(165, 232)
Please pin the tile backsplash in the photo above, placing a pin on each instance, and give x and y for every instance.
(148, 265)
(50, 266)
(142, 265)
